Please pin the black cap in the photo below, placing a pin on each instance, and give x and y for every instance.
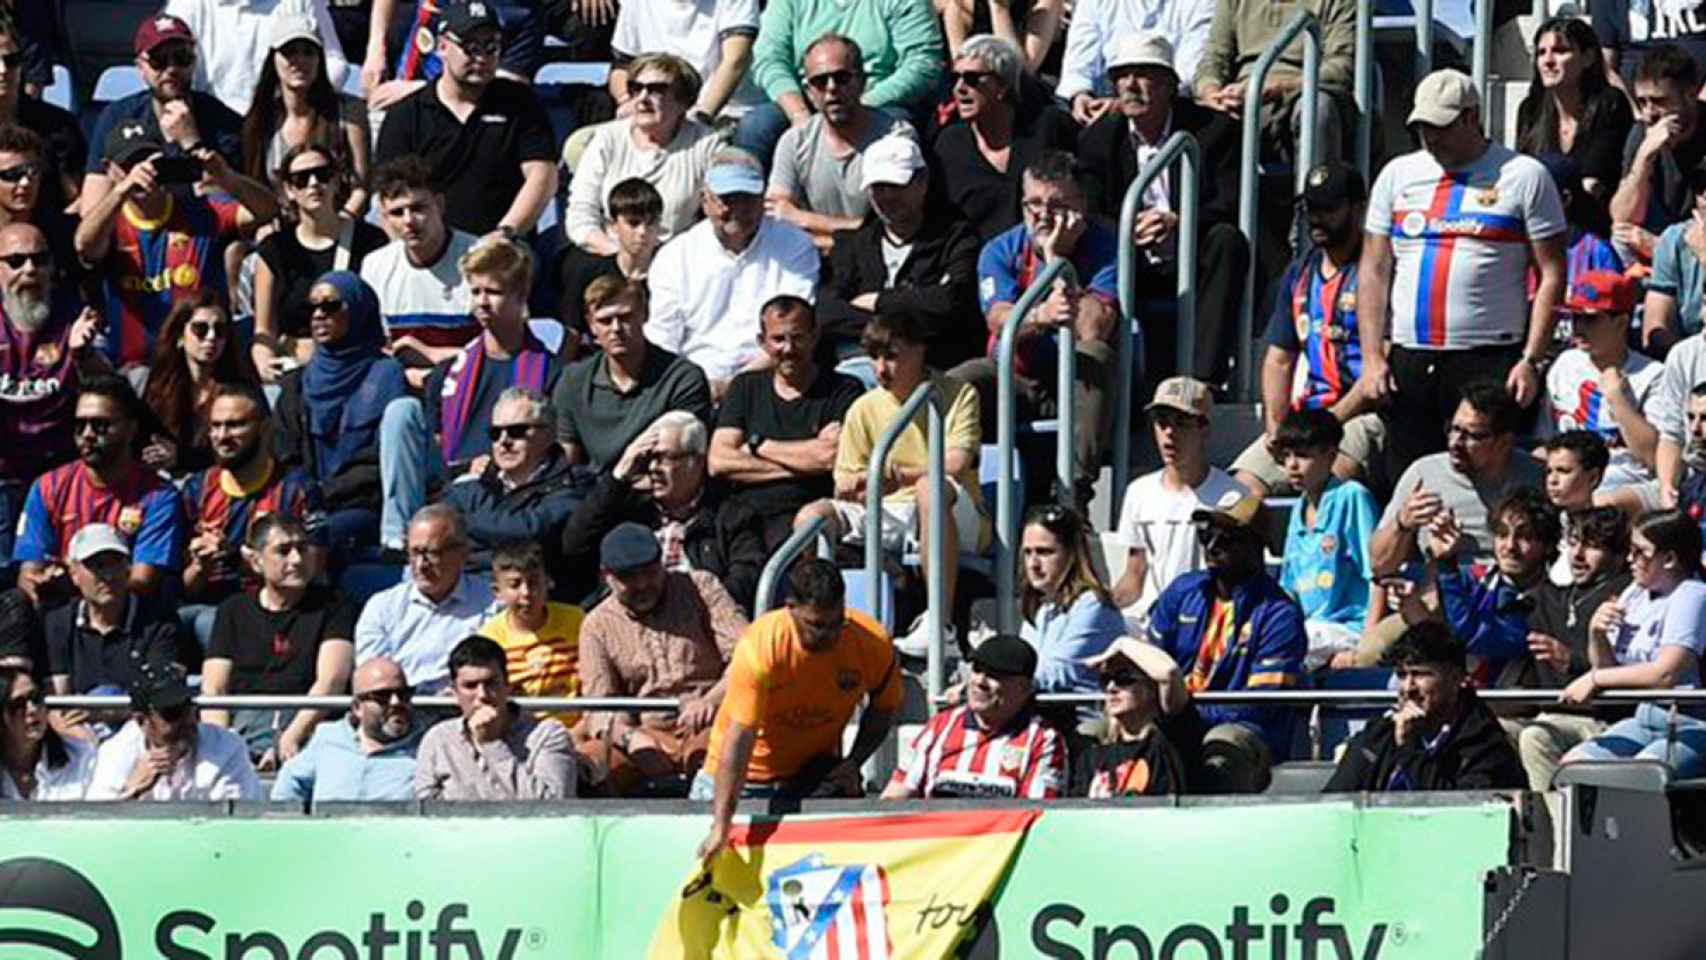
(1005, 654)
(628, 547)
(462, 19)
(158, 687)
(130, 138)
(1333, 185)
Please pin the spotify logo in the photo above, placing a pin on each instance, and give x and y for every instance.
(55, 910)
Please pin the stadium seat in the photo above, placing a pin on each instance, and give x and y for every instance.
(573, 74)
(1645, 775)
(116, 83)
(858, 594)
(549, 332)
(362, 580)
(988, 479)
(861, 369)
(61, 92)
(1300, 777)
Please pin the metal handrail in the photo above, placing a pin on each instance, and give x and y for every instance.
(1006, 510)
(1363, 89)
(1184, 148)
(1303, 22)
(1481, 60)
(935, 576)
(1424, 37)
(779, 561)
(342, 701)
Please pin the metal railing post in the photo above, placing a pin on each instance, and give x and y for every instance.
(1066, 420)
(1363, 90)
(936, 554)
(1006, 510)
(1181, 147)
(1303, 22)
(1481, 60)
(874, 494)
(779, 561)
(1424, 37)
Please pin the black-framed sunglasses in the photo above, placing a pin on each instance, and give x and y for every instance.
(17, 704)
(206, 330)
(489, 47)
(661, 88)
(971, 78)
(385, 697)
(842, 78)
(326, 307)
(511, 431)
(1125, 677)
(300, 179)
(12, 60)
(100, 425)
(19, 173)
(177, 56)
(40, 259)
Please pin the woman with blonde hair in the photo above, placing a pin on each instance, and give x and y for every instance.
(1068, 613)
(1141, 686)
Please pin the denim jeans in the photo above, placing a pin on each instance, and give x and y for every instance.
(198, 617)
(1645, 736)
(705, 788)
(759, 130)
(409, 462)
(12, 494)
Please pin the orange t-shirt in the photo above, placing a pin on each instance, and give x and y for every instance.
(799, 702)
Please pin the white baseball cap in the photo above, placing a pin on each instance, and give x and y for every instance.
(893, 160)
(1442, 97)
(95, 539)
(1142, 49)
(288, 25)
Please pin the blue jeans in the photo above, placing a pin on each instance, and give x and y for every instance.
(198, 617)
(705, 788)
(12, 494)
(759, 130)
(1644, 736)
(408, 464)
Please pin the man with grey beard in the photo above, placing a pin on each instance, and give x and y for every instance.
(370, 755)
(44, 347)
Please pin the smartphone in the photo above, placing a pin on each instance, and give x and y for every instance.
(176, 169)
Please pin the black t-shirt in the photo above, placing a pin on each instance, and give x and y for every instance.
(985, 196)
(752, 405)
(1132, 768)
(476, 164)
(277, 652)
(1631, 27)
(92, 660)
(1678, 176)
(295, 268)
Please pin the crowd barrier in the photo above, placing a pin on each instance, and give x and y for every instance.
(1345, 877)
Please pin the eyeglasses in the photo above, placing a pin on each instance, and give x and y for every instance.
(177, 56)
(12, 60)
(511, 431)
(326, 307)
(1120, 678)
(100, 425)
(40, 259)
(1037, 208)
(1638, 555)
(205, 330)
(971, 78)
(434, 554)
(403, 695)
(300, 178)
(478, 48)
(18, 703)
(841, 78)
(19, 173)
(660, 88)
(1473, 436)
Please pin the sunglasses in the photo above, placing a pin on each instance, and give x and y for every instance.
(40, 259)
(389, 695)
(842, 78)
(12, 60)
(301, 178)
(327, 307)
(660, 88)
(479, 48)
(1208, 534)
(175, 57)
(21, 172)
(971, 78)
(203, 330)
(510, 431)
(100, 425)
(1120, 678)
(18, 703)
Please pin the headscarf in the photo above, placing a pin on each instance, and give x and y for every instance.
(346, 385)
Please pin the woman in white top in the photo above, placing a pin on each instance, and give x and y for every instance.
(656, 142)
(1651, 637)
(39, 763)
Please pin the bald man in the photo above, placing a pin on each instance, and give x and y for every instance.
(369, 757)
(44, 350)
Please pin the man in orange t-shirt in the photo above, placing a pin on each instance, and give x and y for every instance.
(796, 677)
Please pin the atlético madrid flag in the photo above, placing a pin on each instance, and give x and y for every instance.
(844, 888)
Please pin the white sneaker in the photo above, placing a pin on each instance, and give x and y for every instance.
(916, 641)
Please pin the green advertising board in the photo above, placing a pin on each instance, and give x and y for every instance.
(1284, 881)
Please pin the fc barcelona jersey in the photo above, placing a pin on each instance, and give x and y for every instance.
(214, 501)
(154, 263)
(144, 510)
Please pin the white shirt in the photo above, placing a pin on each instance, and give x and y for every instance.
(705, 300)
(1573, 401)
(231, 43)
(1684, 367)
(612, 156)
(69, 782)
(401, 623)
(1097, 25)
(1676, 619)
(421, 300)
(218, 770)
(1157, 520)
(693, 30)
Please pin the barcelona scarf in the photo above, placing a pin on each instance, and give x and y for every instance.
(462, 382)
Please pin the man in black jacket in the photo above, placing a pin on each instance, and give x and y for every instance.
(905, 258)
(1440, 737)
(661, 482)
(525, 490)
(1114, 149)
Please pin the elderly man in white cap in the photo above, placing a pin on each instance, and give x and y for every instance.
(103, 638)
(1148, 109)
(709, 283)
(1451, 230)
(1098, 27)
(911, 255)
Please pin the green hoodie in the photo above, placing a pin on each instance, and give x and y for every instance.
(900, 40)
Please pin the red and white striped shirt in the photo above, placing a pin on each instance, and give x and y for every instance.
(954, 756)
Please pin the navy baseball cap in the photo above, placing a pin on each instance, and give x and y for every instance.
(628, 547)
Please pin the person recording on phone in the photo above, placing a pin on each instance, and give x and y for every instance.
(136, 234)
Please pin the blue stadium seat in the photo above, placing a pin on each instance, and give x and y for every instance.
(572, 74)
(61, 92)
(362, 580)
(861, 369)
(858, 594)
(988, 481)
(549, 332)
(116, 83)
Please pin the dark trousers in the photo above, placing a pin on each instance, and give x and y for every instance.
(1430, 386)
(1222, 260)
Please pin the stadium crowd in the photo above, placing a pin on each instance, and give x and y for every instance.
(299, 397)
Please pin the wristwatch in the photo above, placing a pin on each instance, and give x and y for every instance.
(508, 231)
(753, 442)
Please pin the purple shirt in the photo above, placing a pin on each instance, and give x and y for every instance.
(38, 394)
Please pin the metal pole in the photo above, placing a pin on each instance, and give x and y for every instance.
(874, 495)
(779, 561)
(1424, 37)
(1066, 421)
(1303, 22)
(936, 555)
(1128, 347)
(1481, 60)
(1364, 86)
(1006, 509)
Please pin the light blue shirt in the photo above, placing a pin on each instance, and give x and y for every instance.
(1066, 638)
(401, 623)
(1677, 274)
(333, 768)
(1327, 567)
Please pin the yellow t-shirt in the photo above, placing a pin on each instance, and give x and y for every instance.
(870, 416)
(799, 702)
(546, 663)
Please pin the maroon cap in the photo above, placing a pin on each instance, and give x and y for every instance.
(159, 29)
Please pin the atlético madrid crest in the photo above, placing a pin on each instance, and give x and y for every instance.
(819, 911)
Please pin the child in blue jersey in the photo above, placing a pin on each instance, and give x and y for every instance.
(1327, 541)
